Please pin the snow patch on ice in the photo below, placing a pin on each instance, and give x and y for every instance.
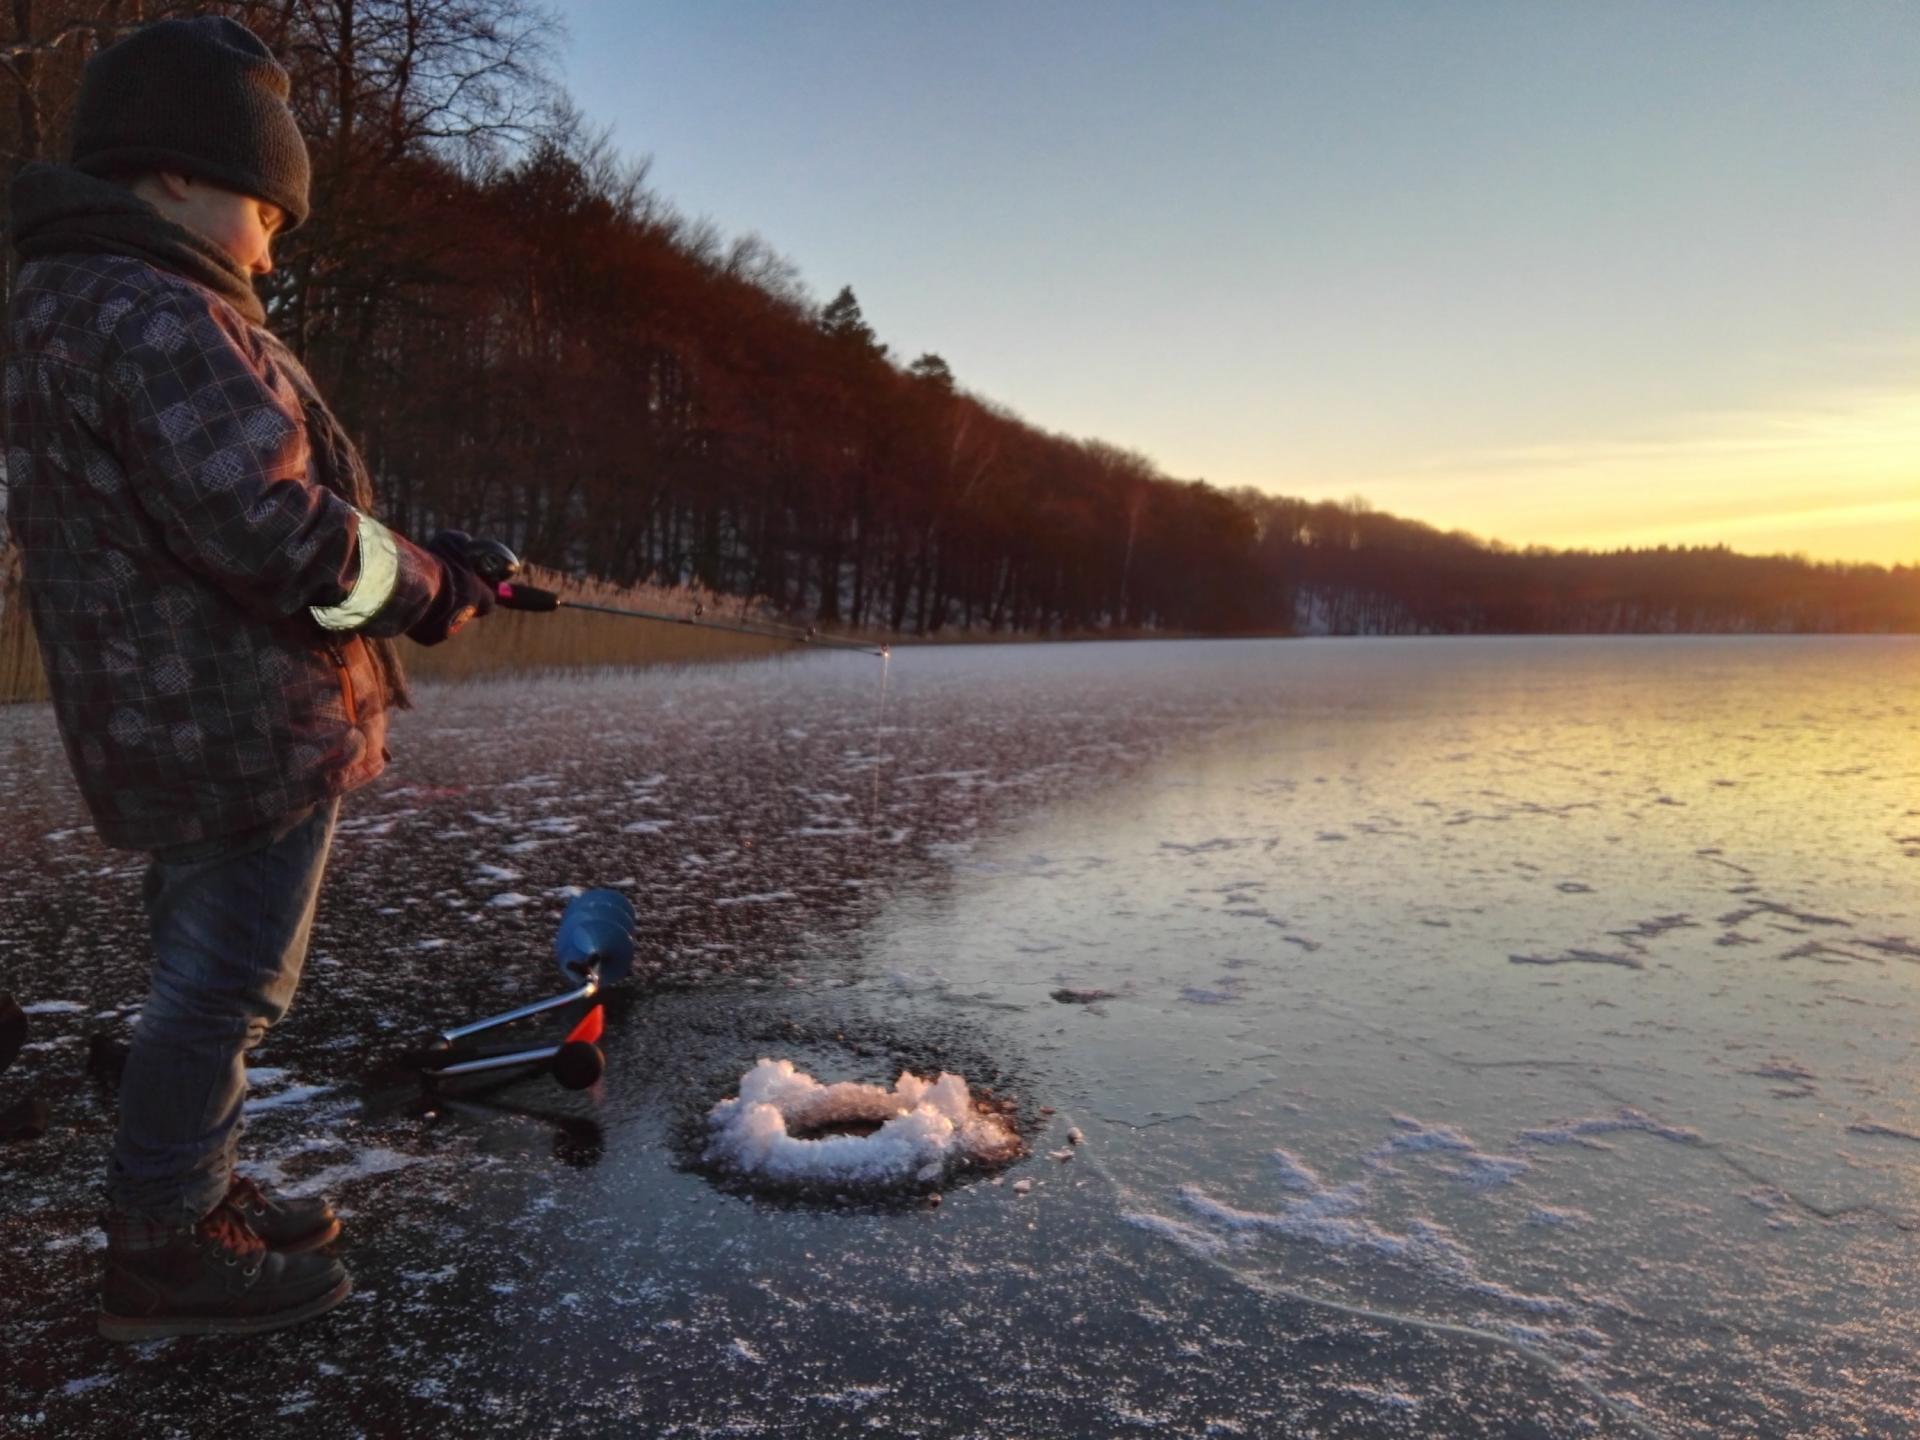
(1188, 1237)
(510, 899)
(281, 1099)
(1330, 1217)
(362, 1167)
(1555, 1217)
(1627, 1119)
(1385, 1399)
(1474, 1165)
(1335, 1217)
(53, 1007)
(926, 1128)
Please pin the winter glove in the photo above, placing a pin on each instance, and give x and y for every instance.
(461, 596)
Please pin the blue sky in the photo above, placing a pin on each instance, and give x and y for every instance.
(1569, 274)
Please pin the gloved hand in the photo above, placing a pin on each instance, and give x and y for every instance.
(462, 594)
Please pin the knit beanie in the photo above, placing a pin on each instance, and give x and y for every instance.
(202, 96)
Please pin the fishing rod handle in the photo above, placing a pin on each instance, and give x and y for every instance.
(494, 563)
(514, 596)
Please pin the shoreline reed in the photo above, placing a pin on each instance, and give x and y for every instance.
(506, 642)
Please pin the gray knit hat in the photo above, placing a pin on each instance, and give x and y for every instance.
(202, 96)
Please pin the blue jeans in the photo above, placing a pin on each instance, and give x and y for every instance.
(229, 920)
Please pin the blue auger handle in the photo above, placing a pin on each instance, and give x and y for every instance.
(596, 931)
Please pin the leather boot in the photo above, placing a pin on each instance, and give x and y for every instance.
(215, 1277)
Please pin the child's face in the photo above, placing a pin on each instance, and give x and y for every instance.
(239, 224)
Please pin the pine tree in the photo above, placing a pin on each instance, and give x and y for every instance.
(842, 320)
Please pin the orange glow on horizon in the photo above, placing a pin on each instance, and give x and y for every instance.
(1836, 478)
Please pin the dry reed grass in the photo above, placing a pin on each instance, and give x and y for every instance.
(506, 642)
(21, 677)
(511, 641)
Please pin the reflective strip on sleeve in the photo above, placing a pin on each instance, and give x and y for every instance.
(379, 570)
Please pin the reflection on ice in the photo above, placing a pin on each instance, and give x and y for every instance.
(1483, 1038)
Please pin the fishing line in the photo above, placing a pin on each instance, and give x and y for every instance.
(879, 739)
(494, 563)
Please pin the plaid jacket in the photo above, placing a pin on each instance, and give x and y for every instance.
(175, 532)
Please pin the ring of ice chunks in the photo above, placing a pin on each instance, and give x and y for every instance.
(787, 1131)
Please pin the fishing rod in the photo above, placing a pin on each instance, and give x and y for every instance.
(494, 563)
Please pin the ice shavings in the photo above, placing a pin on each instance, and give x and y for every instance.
(926, 1129)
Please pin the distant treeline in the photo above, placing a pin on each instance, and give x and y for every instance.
(1348, 569)
(530, 343)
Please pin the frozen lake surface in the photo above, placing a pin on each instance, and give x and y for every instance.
(1467, 1038)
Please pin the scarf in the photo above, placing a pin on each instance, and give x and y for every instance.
(58, 210)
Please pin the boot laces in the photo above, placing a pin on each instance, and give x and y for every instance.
(244, 1191)
(227, 1230)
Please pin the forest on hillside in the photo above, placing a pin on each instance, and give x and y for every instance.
(529, 342)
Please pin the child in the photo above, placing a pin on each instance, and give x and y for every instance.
(213, 601)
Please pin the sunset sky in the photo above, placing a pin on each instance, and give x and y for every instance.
(1597, 274)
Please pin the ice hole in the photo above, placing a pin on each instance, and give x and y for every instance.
(788, 1129)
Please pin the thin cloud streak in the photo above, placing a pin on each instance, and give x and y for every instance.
(1842, 428)
(1833, 475)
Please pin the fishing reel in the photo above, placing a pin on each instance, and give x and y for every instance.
(498, 566)
(491, 560)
